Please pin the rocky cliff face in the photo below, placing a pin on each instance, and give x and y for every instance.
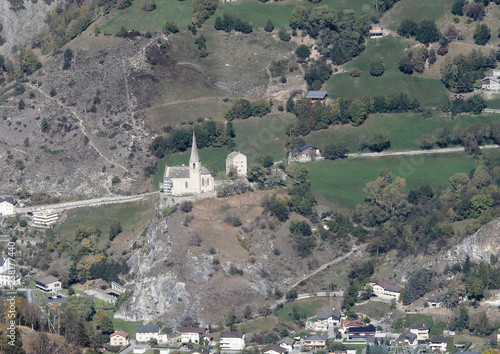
(22, 23)
(480, 246)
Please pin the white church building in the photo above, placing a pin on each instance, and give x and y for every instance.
(191, 179)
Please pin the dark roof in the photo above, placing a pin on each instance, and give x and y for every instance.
(275, 348)
(205, 171)
(198, 330)
(364, 329)
(200, 351)
(8, 200)
(419, 326)
(326, 315)
(439, 339)
(432, 298)
(390, 285)
(306, 146)
(231, 334)
(316, 337)
(148, 329)
(47, 280)
(316, 94)
(287, 341)
(375, 25)
(407, 335)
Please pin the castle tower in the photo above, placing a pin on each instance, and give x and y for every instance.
(195, 167)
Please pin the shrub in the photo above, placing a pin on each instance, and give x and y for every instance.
(148, 5)
(186, 207)
(379, 141)
(355, 72)
(426, 142)
(170, 27)
(269, 27)
(284, 35)
(116, 180)
(303, 51)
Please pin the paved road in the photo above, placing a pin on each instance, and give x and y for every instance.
(87, 202)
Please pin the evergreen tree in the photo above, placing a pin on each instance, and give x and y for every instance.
(269, 27)
(377, 65)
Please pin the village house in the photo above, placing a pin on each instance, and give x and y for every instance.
(7, 206)
(232, 341)
(308, 152)
(433, 301)
(7, 275)
(317, 96)
(324, 320)
(239, 161)
(144, 333)
(191, 179)
(375, 30)
(192, 334)
(421, 330)
(274, 349)
(289, 344)
(45, 218)
(362, 332)
(118, 339)
(48, 284)
(438, 343)
(490, 83)
(387, 290)
(348, 324)
(315, 341)
(407, 338)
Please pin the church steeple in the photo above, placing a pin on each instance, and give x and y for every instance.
(194, 151)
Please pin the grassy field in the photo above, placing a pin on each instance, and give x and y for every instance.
(131, 216)
(417, 11)
(134, 17)
(258, 324)
(308, 306)
(263, 136)
(493, 102)
(343, 181)
(373, 309)
(279, 12)
(127, 326)
(429, 92)
(98, 303)
(213, 158)
(173, 114)
(405, 129)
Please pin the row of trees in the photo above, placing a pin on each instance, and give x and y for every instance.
(243, 109)
(345, 110)
(208, 133)
(231, 22)
(424, 32)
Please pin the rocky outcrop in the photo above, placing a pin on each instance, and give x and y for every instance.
(15, 29)
(480, 246)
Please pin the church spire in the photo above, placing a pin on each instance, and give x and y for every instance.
(194, 151)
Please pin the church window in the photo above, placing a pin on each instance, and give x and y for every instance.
(193, 165)
(208, 181)
(186, 184)
(203, 182)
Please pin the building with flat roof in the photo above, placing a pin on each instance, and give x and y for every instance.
(45, 218)
(48, 284)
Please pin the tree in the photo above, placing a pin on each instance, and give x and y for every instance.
(443, 137)
(482, 34)
(476, 104)
(106, 326)
(284, 35)
(377, 65)
(457, 8)
(427, 32)
(379, 141)
(115, 180)
(291, 294)
(269, 27)
(122, 32)
(357, 112)
(299, 17)
(407, 28)
(426, 141)
(405, 65)
(303, 51)
(114, 228)
(333, 151)
(256, 173)
(230, 317)
(170, 27)
(28, 62)
(82, 306)
(247, 312)
(474, 10)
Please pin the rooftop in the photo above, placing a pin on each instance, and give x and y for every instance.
(407, 335)
(316, 337)
(439, 339)
(275, 348)
(232, 334)
(419, 326)
(198, 330)
(8, 200)
(326, 315)
(120, 333)
(307, 146)
(47, 280)
(317, 94)
(148, 329)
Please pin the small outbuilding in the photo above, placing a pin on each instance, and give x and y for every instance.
(316, 96)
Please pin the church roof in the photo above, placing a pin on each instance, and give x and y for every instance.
(205, 171)
(194, 151)
(178, 172)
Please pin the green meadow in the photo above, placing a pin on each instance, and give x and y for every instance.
(405, 129)
(429, 92)
(342, 181)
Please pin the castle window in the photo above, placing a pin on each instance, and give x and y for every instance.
(186, 184)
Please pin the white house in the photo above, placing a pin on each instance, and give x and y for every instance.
(8, 274)
(232, 341)
(7, 206)
(490, 83)
(146, 332)
(274, 349)
(387, 289)
(433, 300)
(45, 218)
(192, 334)
(315, 341)
(48, 284)
(191, 179)
(408, 338)
(289, 344)
(438, 343)
(308, 152)
(421, 330)
(324, 320)
(238, 160)
(118, 339)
